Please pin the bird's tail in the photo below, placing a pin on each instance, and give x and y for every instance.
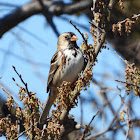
(47, 107)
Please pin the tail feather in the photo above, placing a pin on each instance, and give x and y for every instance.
(47, 107)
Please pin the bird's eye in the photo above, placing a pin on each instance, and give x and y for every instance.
(66, 37)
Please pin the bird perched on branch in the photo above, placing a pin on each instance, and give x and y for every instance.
(66, 64)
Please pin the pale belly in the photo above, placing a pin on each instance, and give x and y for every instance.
(73, 66)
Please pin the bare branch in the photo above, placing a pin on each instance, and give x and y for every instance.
(8, 93)
(49, 17)
(127, 83)
(56, 8)
(24, 132)
(85, 40)
(87, 127)
(133, 17)
(21, 81)
(127, 116)
(30, 95)
(125, 61)
(108, 128)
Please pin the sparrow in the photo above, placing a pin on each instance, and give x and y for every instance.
(66, 64)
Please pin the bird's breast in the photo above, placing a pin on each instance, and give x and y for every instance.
(72, 64)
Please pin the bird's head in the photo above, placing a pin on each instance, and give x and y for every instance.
(67, 40)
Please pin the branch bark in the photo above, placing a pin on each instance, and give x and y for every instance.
(34, 7)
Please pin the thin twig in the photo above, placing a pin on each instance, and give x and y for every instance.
(22, 133)
(92, 23)
(81, 108)
(87, 127)
(85, 40)
(8, 93)
(22, 81)
(117, 127)
(16, 82)
(93, 118)
(106, 100)
(127, 83)
(135, 16)
(30, 96)
(125, 61)
(127, 116)
(108, 128)
(21, 87)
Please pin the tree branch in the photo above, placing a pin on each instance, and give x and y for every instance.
(108, 128)
(56, 8)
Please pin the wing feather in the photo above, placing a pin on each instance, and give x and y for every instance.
(53, 69)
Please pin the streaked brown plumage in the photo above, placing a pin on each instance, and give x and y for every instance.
(66, 63)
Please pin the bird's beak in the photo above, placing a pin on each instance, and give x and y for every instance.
(74, 38)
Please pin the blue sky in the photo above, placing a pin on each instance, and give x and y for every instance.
(32, 56)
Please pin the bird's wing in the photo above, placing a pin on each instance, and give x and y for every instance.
(53, 69)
